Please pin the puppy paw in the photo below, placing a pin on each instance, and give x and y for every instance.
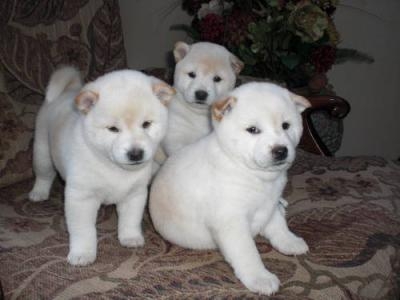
(264, 283)
(133, 241)
(80, 258)
(37, 195)
(292, 245)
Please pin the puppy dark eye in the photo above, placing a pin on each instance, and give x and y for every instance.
(146, 124)
(285, 125)
(113, 129)
(253, 130)
(192, 74)
(217, 78)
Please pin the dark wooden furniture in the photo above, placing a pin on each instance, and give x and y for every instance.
(335, 106)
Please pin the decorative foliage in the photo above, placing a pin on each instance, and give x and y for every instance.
(106, 41)
(284, 40)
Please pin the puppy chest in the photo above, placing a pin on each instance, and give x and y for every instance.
(261, 211)
(260, 217)
(256, 210)
(187, 120)
(118, 189)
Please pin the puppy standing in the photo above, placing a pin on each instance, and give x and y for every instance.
(204, 72)
(227, 187)
(101, 139)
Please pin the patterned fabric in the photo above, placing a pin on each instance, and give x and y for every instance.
(35, 38)
(347, 209)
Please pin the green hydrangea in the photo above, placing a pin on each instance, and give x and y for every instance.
(309, 22)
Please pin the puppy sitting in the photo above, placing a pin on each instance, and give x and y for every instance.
(204, 72)
(227, 187)
(101, 139)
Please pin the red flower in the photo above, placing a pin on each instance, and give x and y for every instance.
(212, 28)
(323, 58)
(236, 26)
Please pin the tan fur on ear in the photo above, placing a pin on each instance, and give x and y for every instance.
(86, 100)
(221, 107)
(163, 91)
(180, 50)
(237, 64)
(301, 102)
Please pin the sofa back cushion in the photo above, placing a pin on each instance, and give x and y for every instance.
(35, 38)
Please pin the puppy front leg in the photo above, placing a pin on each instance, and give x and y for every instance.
(239, 249)
(81, 215)
(280, 237)
(130, 214)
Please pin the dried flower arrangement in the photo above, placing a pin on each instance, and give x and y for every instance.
(291, 41)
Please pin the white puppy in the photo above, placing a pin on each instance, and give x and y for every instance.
(226, 188)
(204, 72)
(101, 139)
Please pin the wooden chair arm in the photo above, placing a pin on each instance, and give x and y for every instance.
(335, 106)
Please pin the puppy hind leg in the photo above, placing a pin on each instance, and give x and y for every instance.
(280, 236)
(239, 250)
(42, 165)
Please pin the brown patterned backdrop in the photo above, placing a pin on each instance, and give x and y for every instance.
(35, 38)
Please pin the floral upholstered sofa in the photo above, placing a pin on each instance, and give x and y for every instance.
(346, 208)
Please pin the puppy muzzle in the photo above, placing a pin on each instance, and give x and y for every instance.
(135, 156)
(279, 154)
(200, 96)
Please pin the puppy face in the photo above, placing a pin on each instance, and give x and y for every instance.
(260, 125)
(204, 72)
(125, 116)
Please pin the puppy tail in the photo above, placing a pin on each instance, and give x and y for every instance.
(61, 80)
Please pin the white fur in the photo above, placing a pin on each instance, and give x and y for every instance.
(189, 120)
(227, 187)
(73, 137)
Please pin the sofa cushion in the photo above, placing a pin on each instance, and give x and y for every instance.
(35, 38)
(16, 127)
(347, 209)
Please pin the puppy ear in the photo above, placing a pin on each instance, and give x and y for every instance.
(236, 63)
(86, 100)
(301, 102)
(222, 107)
(163, 91)
(180, 50)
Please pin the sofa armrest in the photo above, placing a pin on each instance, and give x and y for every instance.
(335, 106)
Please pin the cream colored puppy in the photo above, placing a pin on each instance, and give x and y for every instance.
(226, 188)
(101, 138)
(204, 72)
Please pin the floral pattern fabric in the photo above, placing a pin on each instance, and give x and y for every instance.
(35, 38)
(347, 209)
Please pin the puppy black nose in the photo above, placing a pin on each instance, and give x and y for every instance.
(136, 154)
(279, 152)
(201, 95)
